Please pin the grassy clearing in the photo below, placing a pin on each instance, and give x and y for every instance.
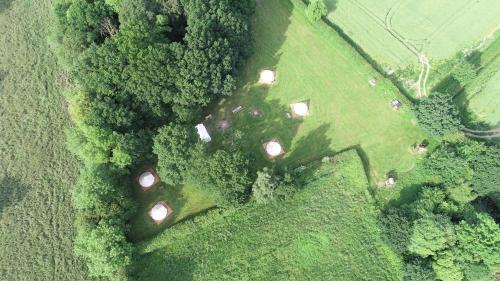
(36, 170)
(315, 64)
(434, 27)
(186, 201)
(328, 231)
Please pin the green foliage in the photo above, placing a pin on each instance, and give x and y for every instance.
(486, 165)
(325, 232)
(418, 270)
(271, 187)
(171, 145)
(397, 229)
(438, 114)
(316, 9)
(224, 172)
(431, 235)
(478, 241)
(104, 249)
(464, 73)
(99, 194)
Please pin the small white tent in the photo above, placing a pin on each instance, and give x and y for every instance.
(273, 148)
(300, 109)
(203, 133)
(146, 179)
(267, 77)
(159, 212)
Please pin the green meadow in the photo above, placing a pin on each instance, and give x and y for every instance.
(328, 231)
(37, 173)
(314, 64)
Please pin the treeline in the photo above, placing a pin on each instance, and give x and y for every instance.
(450, 231)
(141, 71)
(446, 233)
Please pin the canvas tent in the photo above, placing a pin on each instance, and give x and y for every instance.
(203, 133)
(146, 179)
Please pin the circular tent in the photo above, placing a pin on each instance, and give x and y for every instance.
(300, 109)
(159, 212)
(146, 179)
(267, 77)
(273, 148)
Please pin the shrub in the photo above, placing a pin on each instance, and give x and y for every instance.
(270, 187)
(104, 248)
(316, 10)
(438, 114)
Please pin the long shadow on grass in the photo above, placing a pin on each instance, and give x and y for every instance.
(11, 192)
(258, 117)
(5, 5)
(160, 265)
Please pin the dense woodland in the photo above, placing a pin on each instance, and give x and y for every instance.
(142, 71)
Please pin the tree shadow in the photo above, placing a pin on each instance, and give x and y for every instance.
(11, 192)
(331, 5)
(259, 118)
(160, 265)
(314, 146)
(5, 5)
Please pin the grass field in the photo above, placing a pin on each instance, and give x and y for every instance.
(328, 231)
(315, 64)
(438, 28)
(186, 201)
(483, 94)
(36, 170)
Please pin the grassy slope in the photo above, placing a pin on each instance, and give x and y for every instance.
(36, 171)
(314, 63)
(328, 231)
(441, 29)
(186, 201)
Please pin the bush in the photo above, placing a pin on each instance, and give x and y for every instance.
(438, 114)
(270, 187)
(171, 145)
(104, 248)
(225, 172)
(316, 10)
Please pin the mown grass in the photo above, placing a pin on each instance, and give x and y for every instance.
(314, 64)
(437, 28)
(186, 201)
(36, 170)
(328, 231)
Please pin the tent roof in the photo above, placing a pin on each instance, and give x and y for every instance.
(146, 179)
(159, 212)
(203, 133)
(273, 148)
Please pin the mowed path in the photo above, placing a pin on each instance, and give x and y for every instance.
(315, 64)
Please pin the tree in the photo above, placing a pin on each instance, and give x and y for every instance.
(397, 228)
(418, 270)
(225, 172)
(171, 145)
(270, 187)
(486, 178)
(99, 194)
(316, 10)
(438, 114)
(104, 248)
(431, 234)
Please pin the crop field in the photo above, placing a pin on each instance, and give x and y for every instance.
(388, 30)
(36, 170)
(316, 65)
(328, 231)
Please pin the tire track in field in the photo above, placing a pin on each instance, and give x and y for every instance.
(386, 24)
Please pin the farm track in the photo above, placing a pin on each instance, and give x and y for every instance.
(386, 23)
